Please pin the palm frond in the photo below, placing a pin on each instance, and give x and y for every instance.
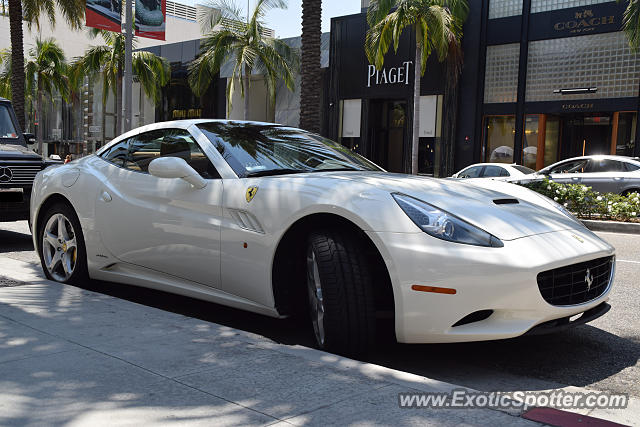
(631, 23)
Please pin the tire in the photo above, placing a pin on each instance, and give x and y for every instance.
(71, 264)
(340, 293)
(625, 193)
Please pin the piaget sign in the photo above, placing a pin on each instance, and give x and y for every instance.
(393, 75)
(584, 22)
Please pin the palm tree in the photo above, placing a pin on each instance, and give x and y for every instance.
(631, 23)
(107, 61)
(46, 72)
(31, 11)
(5, 74)
(436, 24)
(245, 46)
(310, 78)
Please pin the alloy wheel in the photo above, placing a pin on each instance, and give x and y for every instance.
(59, 247)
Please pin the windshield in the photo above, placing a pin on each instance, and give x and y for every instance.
(7, 129)
(255, 149)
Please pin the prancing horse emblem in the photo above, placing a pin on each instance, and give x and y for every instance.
(251, 192)
(588, 279)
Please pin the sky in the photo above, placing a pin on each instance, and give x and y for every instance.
(288, 23)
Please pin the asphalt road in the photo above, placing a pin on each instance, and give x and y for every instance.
(602, 355)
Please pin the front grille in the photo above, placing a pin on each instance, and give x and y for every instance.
(20, 174)
(570, 285)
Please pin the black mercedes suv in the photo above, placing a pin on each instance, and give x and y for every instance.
(18, 166)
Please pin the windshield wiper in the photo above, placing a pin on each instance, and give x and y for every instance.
(270, 172)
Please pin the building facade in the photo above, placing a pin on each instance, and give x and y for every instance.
(546, 80)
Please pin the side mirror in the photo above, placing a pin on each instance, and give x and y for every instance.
(176, 167)
(29, 138)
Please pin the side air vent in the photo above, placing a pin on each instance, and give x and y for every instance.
(506, 201)
(246, 220)
(476, 316)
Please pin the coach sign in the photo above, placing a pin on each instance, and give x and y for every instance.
(392, 75)
(577, 21)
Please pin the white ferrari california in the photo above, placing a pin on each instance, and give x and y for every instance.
(276, 220)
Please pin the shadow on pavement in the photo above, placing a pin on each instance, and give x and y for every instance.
(13, 241)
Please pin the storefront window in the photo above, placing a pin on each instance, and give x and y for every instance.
(501, 73)
(625, 143)
(546, 5)
(530, 143)
(601, 62)
(499, 133)
(504, 8)
(541, 138)
(551, 139)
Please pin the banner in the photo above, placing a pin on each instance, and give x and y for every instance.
(104, 14)
(151, 16)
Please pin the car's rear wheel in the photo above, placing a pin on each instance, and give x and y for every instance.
(340, 293)
(630, 191)
(62, 251)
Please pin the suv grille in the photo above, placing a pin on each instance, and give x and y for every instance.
(19, 174)
(577, 283)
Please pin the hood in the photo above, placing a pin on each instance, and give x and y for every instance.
(17, 152)
(501, 213)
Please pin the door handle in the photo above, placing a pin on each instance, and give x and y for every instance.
(617, 178)
(106, 197)
(575, 178)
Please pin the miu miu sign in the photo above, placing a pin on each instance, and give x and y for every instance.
(393, 75)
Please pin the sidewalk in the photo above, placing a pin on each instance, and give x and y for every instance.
(75, 357)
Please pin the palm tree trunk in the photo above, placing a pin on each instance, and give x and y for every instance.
(17, 60)
(310, 75)
(118, 106)
(39, 131)
(245, 82)
(415, 135)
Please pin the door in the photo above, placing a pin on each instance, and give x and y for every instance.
(605, 175)
(586, 134)
(163, 224)
(569, 172)
(387, 134)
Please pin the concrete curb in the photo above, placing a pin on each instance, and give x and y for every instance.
(612, 226)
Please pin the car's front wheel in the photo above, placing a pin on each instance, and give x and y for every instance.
(62, 251)
(340, 293)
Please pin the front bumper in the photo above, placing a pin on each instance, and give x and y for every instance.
(503, 280)
(16, 210)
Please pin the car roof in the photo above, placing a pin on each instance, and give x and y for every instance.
(599, 157)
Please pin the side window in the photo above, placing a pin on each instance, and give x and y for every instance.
(575, 166)
(605, 165)
(473, 172)
(630, 167)
(148, 146)
(117, 153)
(494, 171)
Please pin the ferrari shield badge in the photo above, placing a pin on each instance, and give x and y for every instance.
(251, 192)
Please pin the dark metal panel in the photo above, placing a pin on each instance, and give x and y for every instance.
(504, 30)
(471, 86)
(522, 82)
(582, 106)
(500, 109)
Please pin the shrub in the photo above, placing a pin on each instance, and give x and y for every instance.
(586, 203)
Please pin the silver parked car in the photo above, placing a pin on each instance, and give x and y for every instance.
(605, 174)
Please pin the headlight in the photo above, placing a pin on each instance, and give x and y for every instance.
(444, 225)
